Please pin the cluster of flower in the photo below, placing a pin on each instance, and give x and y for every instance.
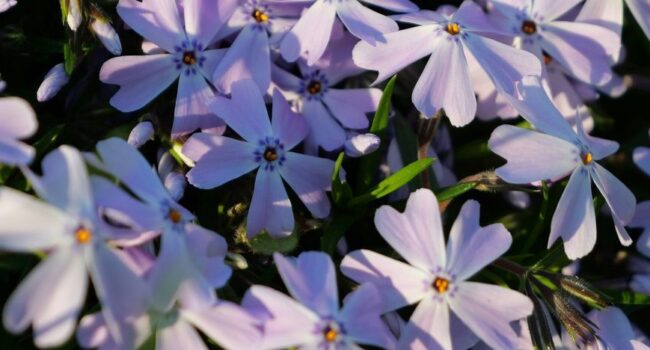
(108, 217)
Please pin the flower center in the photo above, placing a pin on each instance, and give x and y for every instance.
(314, 87)
(83, 235)
(330, 334)
(260, 16)
(441, 285)
(587, 158)
(270, 154)
(529, 27)
(175, 216)
(189, 58)
(453, 28)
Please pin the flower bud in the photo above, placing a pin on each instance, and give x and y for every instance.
(74, 16)
(580, 328)
(140, 134)
(175, 184)
(237, 261)
(3, 85)
(583, 291)
(106, 34)
(361, 145)
(54, 80)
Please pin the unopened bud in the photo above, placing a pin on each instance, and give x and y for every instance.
(54, 80)
(237, 261)
(175, 184)
(584, 291)
(361, 145)
(141, 133)
(3, 84)
(106, 34)
(579, 327)
(74, 16)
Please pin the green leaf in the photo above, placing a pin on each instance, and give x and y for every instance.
(49, 140)
(451, 192)
(369, 164)
(393, 182)
(70, 59)
(341, 192)
(265, 244)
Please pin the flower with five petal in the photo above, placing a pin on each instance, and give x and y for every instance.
(187, 58)
(69, 229)
(313, 319)
(451, 311)
(552, 154)
(266, 147)
(448, 40)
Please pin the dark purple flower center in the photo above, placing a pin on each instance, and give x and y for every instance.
(270, 154)
(314, 87)
(529, 27)
(189, 58)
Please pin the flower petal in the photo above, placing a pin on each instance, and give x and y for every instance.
(309, 177)
(365, 23)
(191, 110)
(472, 247)
(228, 324)
(417, 233)
(311, 279)
(552, 9)
(412, 44)
(287, 125)
(204, 18)
(326, 132)
(286, 322)
(270, 207)
(145, 21)
(350, 106)
(394, 5)
(245, 112)
(218, 159)
(398, 283)
(208, 250)
(311, 34)
(361, 319)
(640, 9)
(445, 84)
(428, 327)
(15, 152)
(17, 119)
(488, 310)
(249, 57)
(574, 219)
(532, 156)
(620, 199)
(179, 335)
(642, 159)
(141, 78)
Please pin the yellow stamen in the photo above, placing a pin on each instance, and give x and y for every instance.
(189, 58)
(175, 216)
(587, 158)
(453, 28)
(260, 16)
(529, 27)
(83, 235)
(441, 285)
(331, 335)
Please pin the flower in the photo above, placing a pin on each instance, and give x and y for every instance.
(448, 39)
(314, 319)
(266, 147)
(141, 133)
(539, 29)
(55, 79)
(68, 228)
(552, 154)
(642, 159)
(75, 15)
(451, 311)
(17, 121)
(176, 268)
(610, 13)
(142, 78)
(106, 34)
(327, 110)
(311, 34)
(261, 23)
(224, 322)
